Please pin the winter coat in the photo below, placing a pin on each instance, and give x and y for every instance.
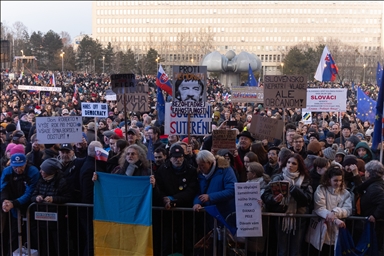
(219, 187)
(57, 188)
(35, 158)
(18, 187)
(86, 173)
(302, 195)
(181, 184)
(327, 200)
(372, 197)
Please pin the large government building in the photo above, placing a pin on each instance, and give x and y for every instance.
(184, 31)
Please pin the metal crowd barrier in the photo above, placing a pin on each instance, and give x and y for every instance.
(179, 231)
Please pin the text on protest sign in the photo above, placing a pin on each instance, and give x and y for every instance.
(334, 100)
(136, 100)
(285, 91)
(266, 128)
(94, 109)
(189, 89)
(123, 83)
(248, 210)
(59, 129)
(224, 139)
(247, 94)
(39, 88)
(178, 124)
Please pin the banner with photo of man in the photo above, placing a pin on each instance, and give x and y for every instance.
(189, 89)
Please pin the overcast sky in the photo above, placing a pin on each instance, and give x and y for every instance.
(73, 17)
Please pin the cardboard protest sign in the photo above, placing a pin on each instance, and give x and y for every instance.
(189, 89)
(110, 95)
(285, 91)
(266, 128)
(59, 129)
(247, 94)
(89, 109)
(201, 124)
(224, 139)
(248, 210)
(320, 100)
(136, 99)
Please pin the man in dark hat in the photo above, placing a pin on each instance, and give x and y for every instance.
(245, 142)
(176, 185)
(329, 139)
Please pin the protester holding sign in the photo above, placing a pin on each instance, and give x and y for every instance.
(291, 230)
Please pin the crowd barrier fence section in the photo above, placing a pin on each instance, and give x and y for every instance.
(50, 229)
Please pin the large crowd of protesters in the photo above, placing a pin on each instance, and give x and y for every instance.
(329, 164)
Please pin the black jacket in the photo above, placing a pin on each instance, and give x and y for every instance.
(181, 184)
(372, 198)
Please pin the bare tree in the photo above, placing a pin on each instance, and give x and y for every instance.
(66, 38)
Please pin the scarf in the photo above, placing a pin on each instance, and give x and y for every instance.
(130, 169)
(207, 176)
(294, 178)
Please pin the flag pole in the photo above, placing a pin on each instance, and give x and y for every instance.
(382, 129)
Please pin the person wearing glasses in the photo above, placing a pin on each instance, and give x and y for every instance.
(298, 146)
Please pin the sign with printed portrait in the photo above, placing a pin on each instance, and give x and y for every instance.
(189, 89)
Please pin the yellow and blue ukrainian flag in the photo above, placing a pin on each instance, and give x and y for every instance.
(122, 215)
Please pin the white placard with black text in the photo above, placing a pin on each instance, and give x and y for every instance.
(59, 129)
(89, 109)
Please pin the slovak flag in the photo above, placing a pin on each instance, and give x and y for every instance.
(327, 69)
(74, 98)
(101, 154)
(163, 82)
(52, 80)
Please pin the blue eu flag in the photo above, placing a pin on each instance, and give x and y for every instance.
(251, 78)
(365, 107)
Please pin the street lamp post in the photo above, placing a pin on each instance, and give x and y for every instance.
(103, 63)
(364, 73)
(282, 68)
(62, 61)
(157, 63)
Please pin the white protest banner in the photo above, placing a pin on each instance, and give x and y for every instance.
(306, 116)
(324, 100)
(285, 91)
(59, 129)
(89, 109)
(11, 76)
(189, 89)
(39, 88)
(247, 94)
(248, 210)
(110, 95)
(178, 124)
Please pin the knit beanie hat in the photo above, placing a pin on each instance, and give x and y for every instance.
(17, 149)
(330, 152)
(9, 147)
(51, 166)
(340, 151)
(354, 140)
(314, 147)
(349, 160)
